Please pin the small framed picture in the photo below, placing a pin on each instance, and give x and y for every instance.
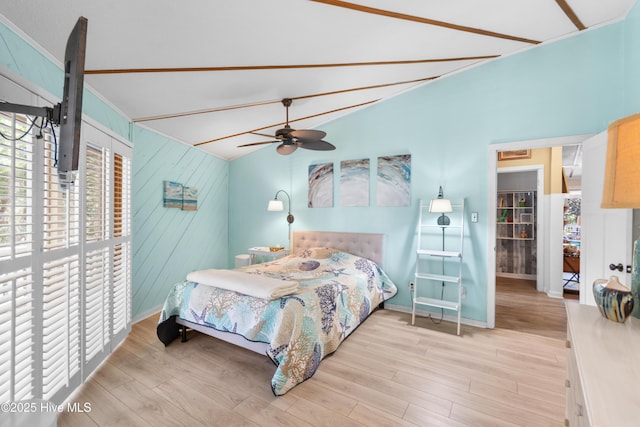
(526, 218)
(172, 195)
(514, 155)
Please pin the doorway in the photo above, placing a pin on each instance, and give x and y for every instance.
(549, 225)
(571, 248)
(572, 220)
(518, 203)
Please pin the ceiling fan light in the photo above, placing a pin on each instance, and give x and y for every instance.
(286, 149)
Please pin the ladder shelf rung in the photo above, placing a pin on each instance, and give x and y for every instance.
(446, 227)
(431, 252)
(438, 277)
(449, 305)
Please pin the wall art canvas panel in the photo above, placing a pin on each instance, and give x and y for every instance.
(172, 195)
(321, 186)
(189, 198)
(394, 181)
(354, 182)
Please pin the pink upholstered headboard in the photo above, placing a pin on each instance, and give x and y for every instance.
(366, 245)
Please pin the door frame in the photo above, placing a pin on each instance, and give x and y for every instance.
(491, 197)
(540, 210)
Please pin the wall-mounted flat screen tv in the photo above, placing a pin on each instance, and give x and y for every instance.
(71, 105)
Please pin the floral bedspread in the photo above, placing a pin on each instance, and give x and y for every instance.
(337, 293)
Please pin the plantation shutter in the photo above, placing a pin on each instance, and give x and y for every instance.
(16, 333)
(122, 239)
(97, 309)
(61, 290)
(17, 327)
(97, 313)
(65, 259)
(61, 326)
(107, 261)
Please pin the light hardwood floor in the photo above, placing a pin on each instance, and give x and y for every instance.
(386, 373)
(520, 307)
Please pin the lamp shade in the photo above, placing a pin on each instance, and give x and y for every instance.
(440, 206)
(275, 205)
(622, 173)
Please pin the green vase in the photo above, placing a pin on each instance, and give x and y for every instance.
(635, 279)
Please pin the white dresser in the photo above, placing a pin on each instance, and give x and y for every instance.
(603, 369)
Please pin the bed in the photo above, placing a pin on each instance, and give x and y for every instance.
(298, 311)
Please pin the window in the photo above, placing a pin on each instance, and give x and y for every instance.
(16, 187)
(61, 209)
(65, 260)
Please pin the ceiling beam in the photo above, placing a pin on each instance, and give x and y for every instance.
(290, 121)
(283, 66)
(279, 101)
(382, 12)
(571, 14)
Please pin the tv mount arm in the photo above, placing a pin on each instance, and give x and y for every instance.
(50, 113)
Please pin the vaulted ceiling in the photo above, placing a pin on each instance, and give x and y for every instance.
(212, 73)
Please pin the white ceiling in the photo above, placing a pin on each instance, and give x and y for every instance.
(252, 53)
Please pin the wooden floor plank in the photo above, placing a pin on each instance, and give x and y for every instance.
(387, 373)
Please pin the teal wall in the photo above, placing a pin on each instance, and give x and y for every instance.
(167, 243)
(632, 61)
(572, 86)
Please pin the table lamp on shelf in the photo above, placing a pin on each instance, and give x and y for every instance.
(622, 182)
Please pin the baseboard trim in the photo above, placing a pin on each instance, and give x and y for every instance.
(141, 316)
(425, 313)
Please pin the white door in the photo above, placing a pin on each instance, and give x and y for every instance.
(606, 233)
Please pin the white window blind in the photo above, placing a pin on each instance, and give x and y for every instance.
(61, 209)
(16, 187)
(122, 251)
(65, 260)
(61, 352)
(16, 336)
(97, 311)
(17, 326)
(97, 193)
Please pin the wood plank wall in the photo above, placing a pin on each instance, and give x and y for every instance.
(168, 243)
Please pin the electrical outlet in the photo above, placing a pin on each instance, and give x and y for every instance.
(474, 216)
(412, 287)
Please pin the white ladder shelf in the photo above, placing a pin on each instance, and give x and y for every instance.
(442, 244)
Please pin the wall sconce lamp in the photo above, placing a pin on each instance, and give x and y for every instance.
(278, 206)
(441, 205)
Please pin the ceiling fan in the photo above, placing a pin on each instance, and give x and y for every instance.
(290, 139)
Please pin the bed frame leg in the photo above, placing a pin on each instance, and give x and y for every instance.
(183, 331)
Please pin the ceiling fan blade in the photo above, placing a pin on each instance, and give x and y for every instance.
(261, 134)
(286, 149)
(257, 143)
(316, 145)
(308, 134)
